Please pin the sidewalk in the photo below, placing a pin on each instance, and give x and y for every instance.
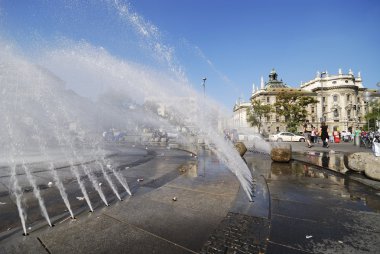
(344, 147)
(175, 209)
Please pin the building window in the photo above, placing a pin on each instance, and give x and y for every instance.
(346, 81)
(324, 109)
(267, 99)
(323, 99)
(349, 113)
(268, 118)
(313, 119)
(348, 98)
(312, 109)
(334, 82)
(336, 113)
(335, 98)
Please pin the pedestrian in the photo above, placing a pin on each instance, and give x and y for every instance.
(317, 136)
(324, 134)
(307, 132)
(313, 135)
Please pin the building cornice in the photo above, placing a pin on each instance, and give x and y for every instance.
(353, 87)
(276, 91)
(332, 78)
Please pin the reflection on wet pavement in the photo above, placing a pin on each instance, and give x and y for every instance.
(331, 160)
(317, 210)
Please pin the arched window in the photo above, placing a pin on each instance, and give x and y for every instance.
(335, 98)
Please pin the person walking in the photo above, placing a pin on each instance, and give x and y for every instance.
(324, 134)
(313, 135)
(307, 132)
(317, 135)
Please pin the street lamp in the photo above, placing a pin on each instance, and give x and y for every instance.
(203, 116)
(367, 99)
(204, 87)
(322, 100)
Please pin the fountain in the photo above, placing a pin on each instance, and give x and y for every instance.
(44, 116)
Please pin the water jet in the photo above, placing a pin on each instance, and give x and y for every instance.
(49, 108)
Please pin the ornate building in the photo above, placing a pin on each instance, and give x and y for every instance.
(341, 101)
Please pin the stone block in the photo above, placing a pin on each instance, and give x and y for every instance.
(281, 152)
(357, 161)
(372, 167)
(241, 148)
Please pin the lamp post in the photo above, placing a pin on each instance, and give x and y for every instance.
(203, 120)
(204, 97)
(322, 119)
(367, 99)
(204, 87)
(204, 102)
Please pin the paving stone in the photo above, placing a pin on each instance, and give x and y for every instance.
(238, 233)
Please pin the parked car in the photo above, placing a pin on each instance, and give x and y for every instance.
(286, 136)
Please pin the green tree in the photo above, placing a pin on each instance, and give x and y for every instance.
(256, 113)
(293, 107)
(374, 114)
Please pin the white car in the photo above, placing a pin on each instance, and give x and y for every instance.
(286, 136)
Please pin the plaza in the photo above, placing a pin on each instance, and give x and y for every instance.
(187, 204)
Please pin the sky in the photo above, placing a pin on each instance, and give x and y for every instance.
(232, 43)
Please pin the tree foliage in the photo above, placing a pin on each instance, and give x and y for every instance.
(293, 107)
(256, 113)
(374, 114)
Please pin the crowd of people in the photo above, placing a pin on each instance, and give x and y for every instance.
(322, 135)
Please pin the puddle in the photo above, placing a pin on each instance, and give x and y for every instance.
(331, 160)
(306, 177)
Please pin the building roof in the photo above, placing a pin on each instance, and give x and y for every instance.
(273, 82)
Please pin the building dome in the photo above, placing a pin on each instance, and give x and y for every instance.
(273, 82)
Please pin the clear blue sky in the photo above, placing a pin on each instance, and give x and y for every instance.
(243, 40)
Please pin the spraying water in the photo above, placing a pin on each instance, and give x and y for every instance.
(15, 187)
(36, 193)
(113, 86)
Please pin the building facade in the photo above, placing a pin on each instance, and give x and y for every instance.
(341, 100)
(342, 103)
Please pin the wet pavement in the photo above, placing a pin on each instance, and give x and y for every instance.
(149, 221)
(314, 210)
(9, 219)
(187, 204)
(335, 161)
